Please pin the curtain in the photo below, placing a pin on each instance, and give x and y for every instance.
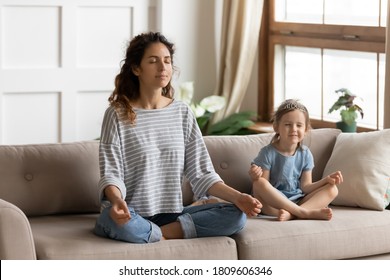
(241, 22)
(386, 123)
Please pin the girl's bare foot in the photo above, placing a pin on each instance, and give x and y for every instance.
(321, 214)
(284, 215)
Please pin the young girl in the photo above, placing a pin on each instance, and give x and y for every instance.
(282, 171)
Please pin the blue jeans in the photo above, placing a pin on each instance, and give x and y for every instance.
(216, 219)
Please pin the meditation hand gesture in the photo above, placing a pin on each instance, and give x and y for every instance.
(249, 205)
(119, 212)
(255, 172)
(334, 178)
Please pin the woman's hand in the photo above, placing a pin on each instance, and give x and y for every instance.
(255, 172)
(245, 202)
(248, 204)
(119, 212)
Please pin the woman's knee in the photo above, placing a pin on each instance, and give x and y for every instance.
(237, 219)
(137, 230)
(219, 219)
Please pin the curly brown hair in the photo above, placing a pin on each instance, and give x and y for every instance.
(127, 86)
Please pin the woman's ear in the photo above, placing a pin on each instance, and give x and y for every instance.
(135, 70)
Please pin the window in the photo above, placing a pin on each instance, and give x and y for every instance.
(311, 48)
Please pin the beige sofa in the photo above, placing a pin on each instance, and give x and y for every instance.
(49, 203)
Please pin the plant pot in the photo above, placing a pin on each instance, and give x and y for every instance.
(346, 127)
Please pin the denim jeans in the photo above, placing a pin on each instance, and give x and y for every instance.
(216, 219)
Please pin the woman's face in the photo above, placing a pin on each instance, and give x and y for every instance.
(155, 70)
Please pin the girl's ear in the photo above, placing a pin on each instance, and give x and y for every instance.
(275, 127)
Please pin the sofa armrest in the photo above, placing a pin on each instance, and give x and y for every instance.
(16, 239)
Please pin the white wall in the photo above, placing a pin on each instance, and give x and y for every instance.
(193, 26)
(190, 25)
(58, 60)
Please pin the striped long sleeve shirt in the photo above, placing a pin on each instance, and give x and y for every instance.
(147, 161)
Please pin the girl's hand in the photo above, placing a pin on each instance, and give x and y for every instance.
(249, 205)
(119, 212)
(334, 178)
(255, 172)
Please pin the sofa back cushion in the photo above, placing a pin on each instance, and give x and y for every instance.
(363, 159)
(47, 179)
(232, 156)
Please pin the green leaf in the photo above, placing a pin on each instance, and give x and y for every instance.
(345, 104)
(232, 124)
(348, 116)
(203, 121)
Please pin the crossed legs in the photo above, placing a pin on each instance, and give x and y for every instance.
(208, 219)
(313, 206)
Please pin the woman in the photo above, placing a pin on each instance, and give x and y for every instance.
(149, 141)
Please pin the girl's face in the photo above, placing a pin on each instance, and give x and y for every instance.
(291, 127)
(155, 70)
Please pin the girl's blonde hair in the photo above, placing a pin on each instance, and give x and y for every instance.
(285, 107)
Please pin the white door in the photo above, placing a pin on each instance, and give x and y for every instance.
(58, 61)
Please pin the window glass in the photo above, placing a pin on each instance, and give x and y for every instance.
(352, 12)
(305, 11)
(303, 77)
(356, 71)
(279, 75)
(383, 13)
(381, 98)
(360, 12)
(317, 68)
(305, 74)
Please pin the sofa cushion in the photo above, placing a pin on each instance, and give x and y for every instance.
(47, 179)
(352, 233)
(232, 156)
(71, 237)
(363, 159)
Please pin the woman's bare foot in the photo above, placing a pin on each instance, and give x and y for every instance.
(284, 215)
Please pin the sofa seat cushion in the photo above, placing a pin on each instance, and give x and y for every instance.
(71, 237)
(352, 233)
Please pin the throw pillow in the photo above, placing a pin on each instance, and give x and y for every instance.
(363, 159)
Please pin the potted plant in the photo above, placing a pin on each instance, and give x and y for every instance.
(234, 124)
(348, 110)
